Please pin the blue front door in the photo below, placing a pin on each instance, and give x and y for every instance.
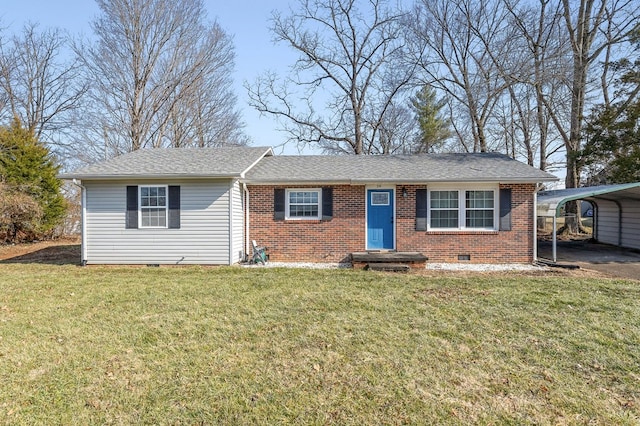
(380, 219)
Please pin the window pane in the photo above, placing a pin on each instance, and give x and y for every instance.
(444, 218)
(153, 217)
(379, 198)
(304, 204)
(479, 219)
(303, 210)
(479, 199)
(444, 199)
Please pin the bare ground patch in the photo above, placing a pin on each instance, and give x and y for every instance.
(63, 251)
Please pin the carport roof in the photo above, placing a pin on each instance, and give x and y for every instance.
(550, 202)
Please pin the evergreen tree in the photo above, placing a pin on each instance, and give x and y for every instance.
(27, 167)
(612, 151)
(433, 130)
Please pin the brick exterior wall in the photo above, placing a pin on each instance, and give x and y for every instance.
(335, 240)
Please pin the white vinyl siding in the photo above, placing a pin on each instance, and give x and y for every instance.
(203, 237)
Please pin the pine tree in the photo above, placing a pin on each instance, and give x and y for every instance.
(433, 130)
(27, 167)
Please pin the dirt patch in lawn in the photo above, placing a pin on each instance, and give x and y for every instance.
(63, 251)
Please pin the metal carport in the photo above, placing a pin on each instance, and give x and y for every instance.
(616, 216)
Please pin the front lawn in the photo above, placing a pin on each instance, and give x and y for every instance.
(270, 346)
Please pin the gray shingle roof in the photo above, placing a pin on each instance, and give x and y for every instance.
(258, 166)
(230, 161)
(486, 167)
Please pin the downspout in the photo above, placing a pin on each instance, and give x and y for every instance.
(83, 222)
(555, 238)
(535, 226)
(247, 242)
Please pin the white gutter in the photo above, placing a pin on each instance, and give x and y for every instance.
(398, 181)
(83, 221)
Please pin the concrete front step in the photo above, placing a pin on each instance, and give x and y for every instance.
(408, 259)
(389, 267)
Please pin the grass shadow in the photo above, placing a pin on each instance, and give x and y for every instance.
(53, 255)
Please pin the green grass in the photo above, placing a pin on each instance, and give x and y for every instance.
(271, 346)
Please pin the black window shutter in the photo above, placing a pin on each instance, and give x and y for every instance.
(505, 209)
(421, 209)
(131, 220)
(327, 203)
(278, 204)
(174, 207)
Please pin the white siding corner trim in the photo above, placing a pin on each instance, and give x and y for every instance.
(236, 214)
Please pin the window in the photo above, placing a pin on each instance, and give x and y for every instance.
(379, 198)
(462, 209)
(153, 206)
(479, 209)
(444, 209)
(303, 204)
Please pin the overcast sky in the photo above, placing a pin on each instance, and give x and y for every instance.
(246, 20)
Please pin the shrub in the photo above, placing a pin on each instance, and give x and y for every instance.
(20, 215)
(28, 172)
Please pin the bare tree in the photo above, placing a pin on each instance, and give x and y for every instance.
(350, 71)
(37, 86)
(397, 133)
(593, 26)
(586, 21)
(161, 76)
(539, 85)
(463, 38)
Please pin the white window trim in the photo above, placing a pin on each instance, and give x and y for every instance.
(166, 207)
(462, 207)
(286, 203)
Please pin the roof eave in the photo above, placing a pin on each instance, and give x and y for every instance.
(366, 181)
(271, 182)
(70, 176)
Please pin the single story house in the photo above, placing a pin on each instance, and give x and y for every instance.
(205, 206)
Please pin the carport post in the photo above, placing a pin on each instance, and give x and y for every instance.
(553, 247)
